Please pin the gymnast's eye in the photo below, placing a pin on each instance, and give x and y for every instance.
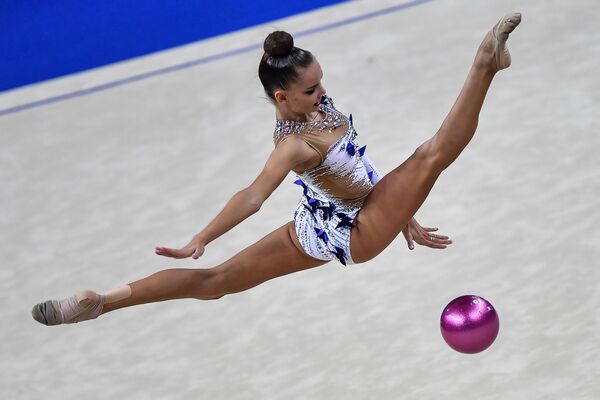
(311, 91)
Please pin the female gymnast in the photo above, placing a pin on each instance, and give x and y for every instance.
(347, 210)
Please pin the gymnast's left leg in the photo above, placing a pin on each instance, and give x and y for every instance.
(277, 254)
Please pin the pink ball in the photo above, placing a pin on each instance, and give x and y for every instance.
(469, 324)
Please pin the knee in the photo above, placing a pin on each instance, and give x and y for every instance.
(426, 152)
(429, 157)
(208, 284)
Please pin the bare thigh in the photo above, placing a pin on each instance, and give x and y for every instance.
(277, 254)
(391, 204)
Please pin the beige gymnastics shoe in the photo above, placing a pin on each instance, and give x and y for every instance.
(81, 306)
(493, 48)
(501, 31)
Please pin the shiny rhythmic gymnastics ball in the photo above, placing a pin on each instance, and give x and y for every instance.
(469, 324)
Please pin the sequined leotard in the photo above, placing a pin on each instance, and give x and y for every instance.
(335, 190)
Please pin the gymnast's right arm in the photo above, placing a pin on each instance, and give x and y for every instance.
(288, 154)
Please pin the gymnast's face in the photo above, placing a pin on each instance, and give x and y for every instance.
(304, 95)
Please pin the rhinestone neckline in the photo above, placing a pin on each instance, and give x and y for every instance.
(330, 121)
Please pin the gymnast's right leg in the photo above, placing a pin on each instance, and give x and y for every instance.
(277, 254)
(398, 196)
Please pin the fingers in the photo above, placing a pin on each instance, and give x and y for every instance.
(429, 230)
(199, 251)
(164, 251)
(426, 232)
(409, 240)
(173, 253)
(434, 241)
(424, 236)
(408, 237)
(440, 237)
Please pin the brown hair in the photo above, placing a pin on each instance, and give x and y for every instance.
(280, 62)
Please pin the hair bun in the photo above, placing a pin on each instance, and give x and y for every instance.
(278, 44)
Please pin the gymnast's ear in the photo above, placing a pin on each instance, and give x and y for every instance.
(280, 96)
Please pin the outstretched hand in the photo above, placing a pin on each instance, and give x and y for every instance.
(194, 249)
(424, 236)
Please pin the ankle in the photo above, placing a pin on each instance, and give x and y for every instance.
(86, 297)
(485, 70)
(117, 294)
(482, 73)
